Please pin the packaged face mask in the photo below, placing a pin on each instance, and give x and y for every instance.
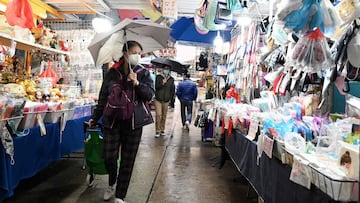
(349, 160)
(353, 49)
(294, 143)
(300, 173)
(279, 35)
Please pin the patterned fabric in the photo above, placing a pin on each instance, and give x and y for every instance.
(121, 136)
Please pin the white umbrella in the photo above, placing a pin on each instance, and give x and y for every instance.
(106, 47)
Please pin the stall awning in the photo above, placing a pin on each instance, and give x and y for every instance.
(184, 32)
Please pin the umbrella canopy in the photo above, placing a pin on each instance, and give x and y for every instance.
(184, 31)
(175, 66)
(106, 47)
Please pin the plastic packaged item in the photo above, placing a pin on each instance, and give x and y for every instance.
(352, 106)
(331, 19)
(301, 173)
(294, 143)
(312, 52)
(326, 144)
(349, 160)
(347, 10)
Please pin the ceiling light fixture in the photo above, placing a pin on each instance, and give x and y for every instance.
(218, 43)
(101, 24)
(244, 19)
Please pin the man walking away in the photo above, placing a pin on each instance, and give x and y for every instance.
(187, 94)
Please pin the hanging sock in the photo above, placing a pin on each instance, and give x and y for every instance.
(7, 142)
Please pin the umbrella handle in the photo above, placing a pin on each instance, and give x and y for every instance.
(130, 69)
(127, 50)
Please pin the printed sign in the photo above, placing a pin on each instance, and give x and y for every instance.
(169, 9)
(253, 128)
(268, 146)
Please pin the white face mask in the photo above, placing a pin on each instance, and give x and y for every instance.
(134, 59)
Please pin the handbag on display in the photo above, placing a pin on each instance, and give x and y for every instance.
(142, 114)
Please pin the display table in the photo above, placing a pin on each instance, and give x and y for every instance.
(270, 178)
(34, 152)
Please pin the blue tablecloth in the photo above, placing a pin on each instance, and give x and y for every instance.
(270, 178)
(34, 152)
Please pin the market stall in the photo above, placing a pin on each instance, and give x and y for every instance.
(276, 110)
(269, 177)
(48, 87)
(34, 152)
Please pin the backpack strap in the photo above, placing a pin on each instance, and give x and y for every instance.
(117, 66)
(138, 68)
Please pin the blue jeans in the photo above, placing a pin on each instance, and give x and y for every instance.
(186, 116)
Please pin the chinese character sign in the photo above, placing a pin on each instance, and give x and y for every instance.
(169, 9)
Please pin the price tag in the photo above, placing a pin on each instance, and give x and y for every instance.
(268, 146)
(40, 122)
(253, 128)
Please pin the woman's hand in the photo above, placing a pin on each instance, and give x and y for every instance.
(91, 123)
(133, 77)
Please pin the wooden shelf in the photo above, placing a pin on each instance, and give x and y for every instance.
(27, 46)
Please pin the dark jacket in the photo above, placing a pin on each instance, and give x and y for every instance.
(164, 92)
(187, 90)
(144, 91)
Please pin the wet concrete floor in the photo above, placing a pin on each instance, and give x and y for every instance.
(168, 169)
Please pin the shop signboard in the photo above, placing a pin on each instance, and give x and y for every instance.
(169, 9)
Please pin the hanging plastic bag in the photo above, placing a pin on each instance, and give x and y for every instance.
(19, 12)
(331, 18)
(292, 21)
(312, 52)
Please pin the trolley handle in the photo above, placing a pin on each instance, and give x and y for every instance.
(87, 126)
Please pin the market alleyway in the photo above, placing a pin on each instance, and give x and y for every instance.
(168, 169)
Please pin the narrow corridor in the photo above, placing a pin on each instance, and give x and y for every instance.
(168, 169)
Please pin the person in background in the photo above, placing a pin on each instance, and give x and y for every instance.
(153, 76)
(232, 93)
(172, 103)
(187, 93)
(164, 92)
(117, 132)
